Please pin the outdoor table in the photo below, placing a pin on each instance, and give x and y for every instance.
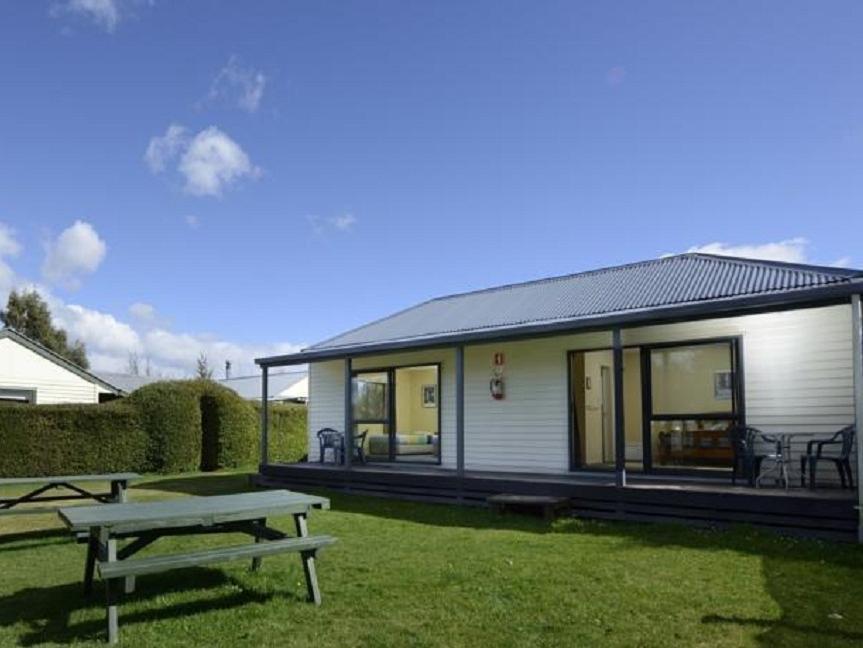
(119, 483)
(142, 523)
(783, 459)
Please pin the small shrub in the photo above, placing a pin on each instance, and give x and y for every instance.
(70, 439)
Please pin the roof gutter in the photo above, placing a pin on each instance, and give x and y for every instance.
(804, 297)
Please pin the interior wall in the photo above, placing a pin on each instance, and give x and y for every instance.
(593, 363)
(589, 401)
(411, 414)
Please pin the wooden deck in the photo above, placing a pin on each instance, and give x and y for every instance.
(825, 513)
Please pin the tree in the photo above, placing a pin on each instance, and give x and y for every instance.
(133, 364)
(204, 371)
(27, 313)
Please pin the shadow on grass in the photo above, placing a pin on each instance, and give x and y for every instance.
(207, 484)
(47, 611)
(32, 539)
(785, 632)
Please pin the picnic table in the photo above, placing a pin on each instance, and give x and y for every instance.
(119, 483)
(142, 523)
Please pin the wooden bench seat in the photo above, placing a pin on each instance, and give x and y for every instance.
(117, 572)
(156, 564)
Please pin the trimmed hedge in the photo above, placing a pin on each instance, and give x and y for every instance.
(168, 426)
(70, 439)
(170, 414)
(229, 427)
(288, 438)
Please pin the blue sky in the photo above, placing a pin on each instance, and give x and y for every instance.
(332, 162)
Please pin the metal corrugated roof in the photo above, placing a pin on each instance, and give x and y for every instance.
(249, 387)
(127, 382)
(654, 285)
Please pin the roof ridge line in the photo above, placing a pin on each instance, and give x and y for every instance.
(572, 275)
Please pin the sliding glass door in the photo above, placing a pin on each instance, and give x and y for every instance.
(679, 403)
(397, 413)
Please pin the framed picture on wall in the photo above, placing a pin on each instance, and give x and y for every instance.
(429, 395)
(722, 385)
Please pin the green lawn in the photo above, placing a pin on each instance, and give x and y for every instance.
(427, 575)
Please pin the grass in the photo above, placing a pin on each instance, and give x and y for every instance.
(407, 574)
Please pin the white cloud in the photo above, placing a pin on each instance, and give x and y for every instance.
(320, 226)
(142, 311)
(100, 331)
(210, 161)
(9, 247)
(110, 339)
(77, 251)
(105, 14)
(343, 223)
(790, 250)
(192, 221)
(243, 86)
(164, 148)
(793, 250)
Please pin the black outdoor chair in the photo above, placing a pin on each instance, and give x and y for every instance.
(359, 446)
(747, 463)
(330, 438)
(844, 438)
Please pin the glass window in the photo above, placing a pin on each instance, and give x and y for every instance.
(371, 397)
(694, 379)
(694, 405)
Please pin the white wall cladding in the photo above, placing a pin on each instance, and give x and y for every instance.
(326, 405)
(798, 377)
(21, 368)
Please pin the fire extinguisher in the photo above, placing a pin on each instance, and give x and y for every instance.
(495, 386)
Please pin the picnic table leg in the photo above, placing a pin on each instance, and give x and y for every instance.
(90, 563)
(308, 558)
(108, 552)
(118, 492)
(256, 562)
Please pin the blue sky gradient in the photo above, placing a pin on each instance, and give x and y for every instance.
(400, 150)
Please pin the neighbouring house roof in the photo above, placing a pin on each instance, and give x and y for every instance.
(687, 285)
(280, 386)
(128, 382)
(48, 354)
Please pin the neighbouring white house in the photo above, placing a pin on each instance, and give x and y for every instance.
(32, 373)
(588, 384)
(285, 386)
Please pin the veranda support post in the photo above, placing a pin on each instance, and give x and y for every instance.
(265, 415)
(619, 427)
(349, 415)
(857, 350)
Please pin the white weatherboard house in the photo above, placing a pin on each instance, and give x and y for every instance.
(32, 373)
(618, 388)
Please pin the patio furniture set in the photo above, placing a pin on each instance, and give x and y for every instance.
(753, 447)
(140, 524)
